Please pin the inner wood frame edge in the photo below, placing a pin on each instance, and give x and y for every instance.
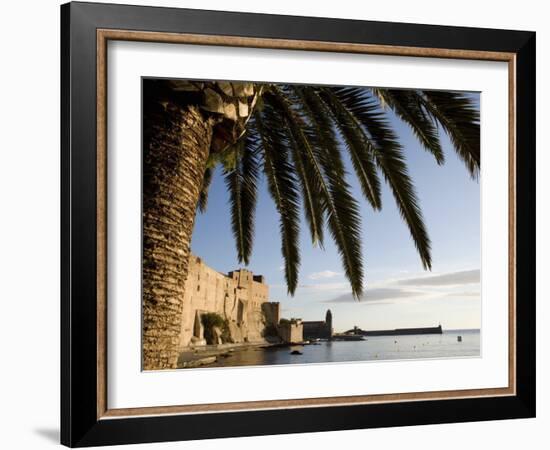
(104, 35)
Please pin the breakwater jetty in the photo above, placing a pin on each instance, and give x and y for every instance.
(396, 331)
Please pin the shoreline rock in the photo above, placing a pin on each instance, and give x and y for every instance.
(199, 362)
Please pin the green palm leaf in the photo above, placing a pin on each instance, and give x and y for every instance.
(282, 186)
(311, 189)
(242, 183)
(408, 106)
(391, 161)
(460, 119)
(328, 171)
(356, 142)
(203, 196)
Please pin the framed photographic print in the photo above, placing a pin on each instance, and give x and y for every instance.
(276, 224)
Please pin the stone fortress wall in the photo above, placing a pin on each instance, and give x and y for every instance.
(291, 331)
(240, 297)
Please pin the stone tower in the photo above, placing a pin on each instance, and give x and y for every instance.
(328, 321)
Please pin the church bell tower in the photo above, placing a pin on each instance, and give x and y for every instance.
(328, 322)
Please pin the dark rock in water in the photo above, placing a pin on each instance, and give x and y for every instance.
(296, 352)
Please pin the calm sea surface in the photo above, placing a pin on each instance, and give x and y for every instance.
(376, 348)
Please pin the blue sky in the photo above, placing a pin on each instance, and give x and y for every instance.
(398, 292)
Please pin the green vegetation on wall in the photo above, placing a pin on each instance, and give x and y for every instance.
(214, 320)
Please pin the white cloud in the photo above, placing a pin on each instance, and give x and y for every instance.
(325, 286)
(377, 295)
(462, 294)
(451, 284)
(323, 275)
(446, 279)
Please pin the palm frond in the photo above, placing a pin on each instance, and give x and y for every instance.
(343, 218)
(355, 140)
(242, 183)
(460, 119)
(203, 196)
(311, 190)
(341, 208)
(408, 106)
(391, 161)
(282, 186)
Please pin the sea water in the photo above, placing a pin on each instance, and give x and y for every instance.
(373, 348)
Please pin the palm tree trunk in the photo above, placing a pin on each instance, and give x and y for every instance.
(176, 146)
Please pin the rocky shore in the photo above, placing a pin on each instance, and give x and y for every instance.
(193, 357)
